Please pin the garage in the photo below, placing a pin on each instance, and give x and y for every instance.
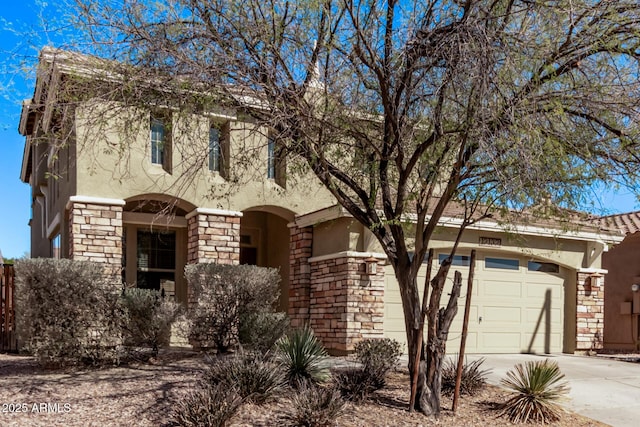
(517, 305)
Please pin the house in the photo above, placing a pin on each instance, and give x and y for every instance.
(96, 197)
(622, 293)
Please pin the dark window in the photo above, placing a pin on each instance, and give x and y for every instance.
(156, 259)
(156, 250)
(161, 141)
(544, 267)
(502, 263)
(157, 141)
(276, 162)
(460, 260)
(271, 159)
(215, 152)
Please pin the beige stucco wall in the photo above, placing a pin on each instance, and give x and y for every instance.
(114, 162)
(345, 233)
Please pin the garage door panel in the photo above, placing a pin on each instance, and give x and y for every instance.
(542, 290)
(493, 342)
(495, 314)
(502, 289)
(533, 315)
(539, 343)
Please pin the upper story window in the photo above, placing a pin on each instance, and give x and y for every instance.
(276, 165)
(215, 151)
(161, 142)
(271, 159)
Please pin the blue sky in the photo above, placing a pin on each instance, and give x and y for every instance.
(21, 36)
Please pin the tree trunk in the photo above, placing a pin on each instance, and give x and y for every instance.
(429, 380)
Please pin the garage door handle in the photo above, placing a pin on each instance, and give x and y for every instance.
(480, 319)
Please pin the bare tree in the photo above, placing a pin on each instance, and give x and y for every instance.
(403, 109)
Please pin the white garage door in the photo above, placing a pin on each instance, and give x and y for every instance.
(516, 305)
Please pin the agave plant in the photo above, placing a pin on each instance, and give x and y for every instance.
(303, 357)
(538, 387)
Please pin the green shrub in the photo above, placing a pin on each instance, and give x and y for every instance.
(538, 387)
(67, 311)
(255, 379)
(303, 357)
(260, 331)
(227, 295)
(378, 356)
(314, 406)
(473, 378)
(355, 384)
(207, 406)
(147, 318)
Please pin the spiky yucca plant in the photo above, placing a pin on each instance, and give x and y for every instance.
(539, 385)
(303, 357)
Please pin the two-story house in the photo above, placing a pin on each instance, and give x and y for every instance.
(150, 190)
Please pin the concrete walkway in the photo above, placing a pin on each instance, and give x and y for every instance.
(602, 389)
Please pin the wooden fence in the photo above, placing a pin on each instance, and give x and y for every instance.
(8, 340)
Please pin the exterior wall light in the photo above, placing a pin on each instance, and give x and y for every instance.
(372, 266)
(635, 287)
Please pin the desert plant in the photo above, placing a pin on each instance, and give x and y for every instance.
(254, 378)
(147, 318)
(303, 357)
(67, 311)
(260, 331)
(207, 406)
(225, 296)
(538, 386)
(355, 384)
(472, 380)
(378, 356)
(314, 406)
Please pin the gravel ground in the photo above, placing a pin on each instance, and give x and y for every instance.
(143, 395)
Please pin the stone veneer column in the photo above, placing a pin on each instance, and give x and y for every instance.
(95, 231)
(301, 240)
(590, 310)
(346, 304)
(213, 236)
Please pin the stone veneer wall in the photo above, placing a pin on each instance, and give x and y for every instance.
(212, 237)
(346, 304)
(590, 311)
(95, 233)
(301, 240)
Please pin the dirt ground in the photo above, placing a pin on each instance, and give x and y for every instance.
(144, 395)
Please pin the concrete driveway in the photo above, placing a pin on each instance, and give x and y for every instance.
(602, 389)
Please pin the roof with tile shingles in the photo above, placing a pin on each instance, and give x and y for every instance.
(628, 223)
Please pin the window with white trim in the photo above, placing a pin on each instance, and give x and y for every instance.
(276, 162)
(160, 136)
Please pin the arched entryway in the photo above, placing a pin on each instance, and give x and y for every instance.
(155, 244)
(264, 241)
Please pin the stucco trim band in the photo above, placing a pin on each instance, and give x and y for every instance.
(592, 270)
(94, 201)
(348, 254)
(208, 211)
